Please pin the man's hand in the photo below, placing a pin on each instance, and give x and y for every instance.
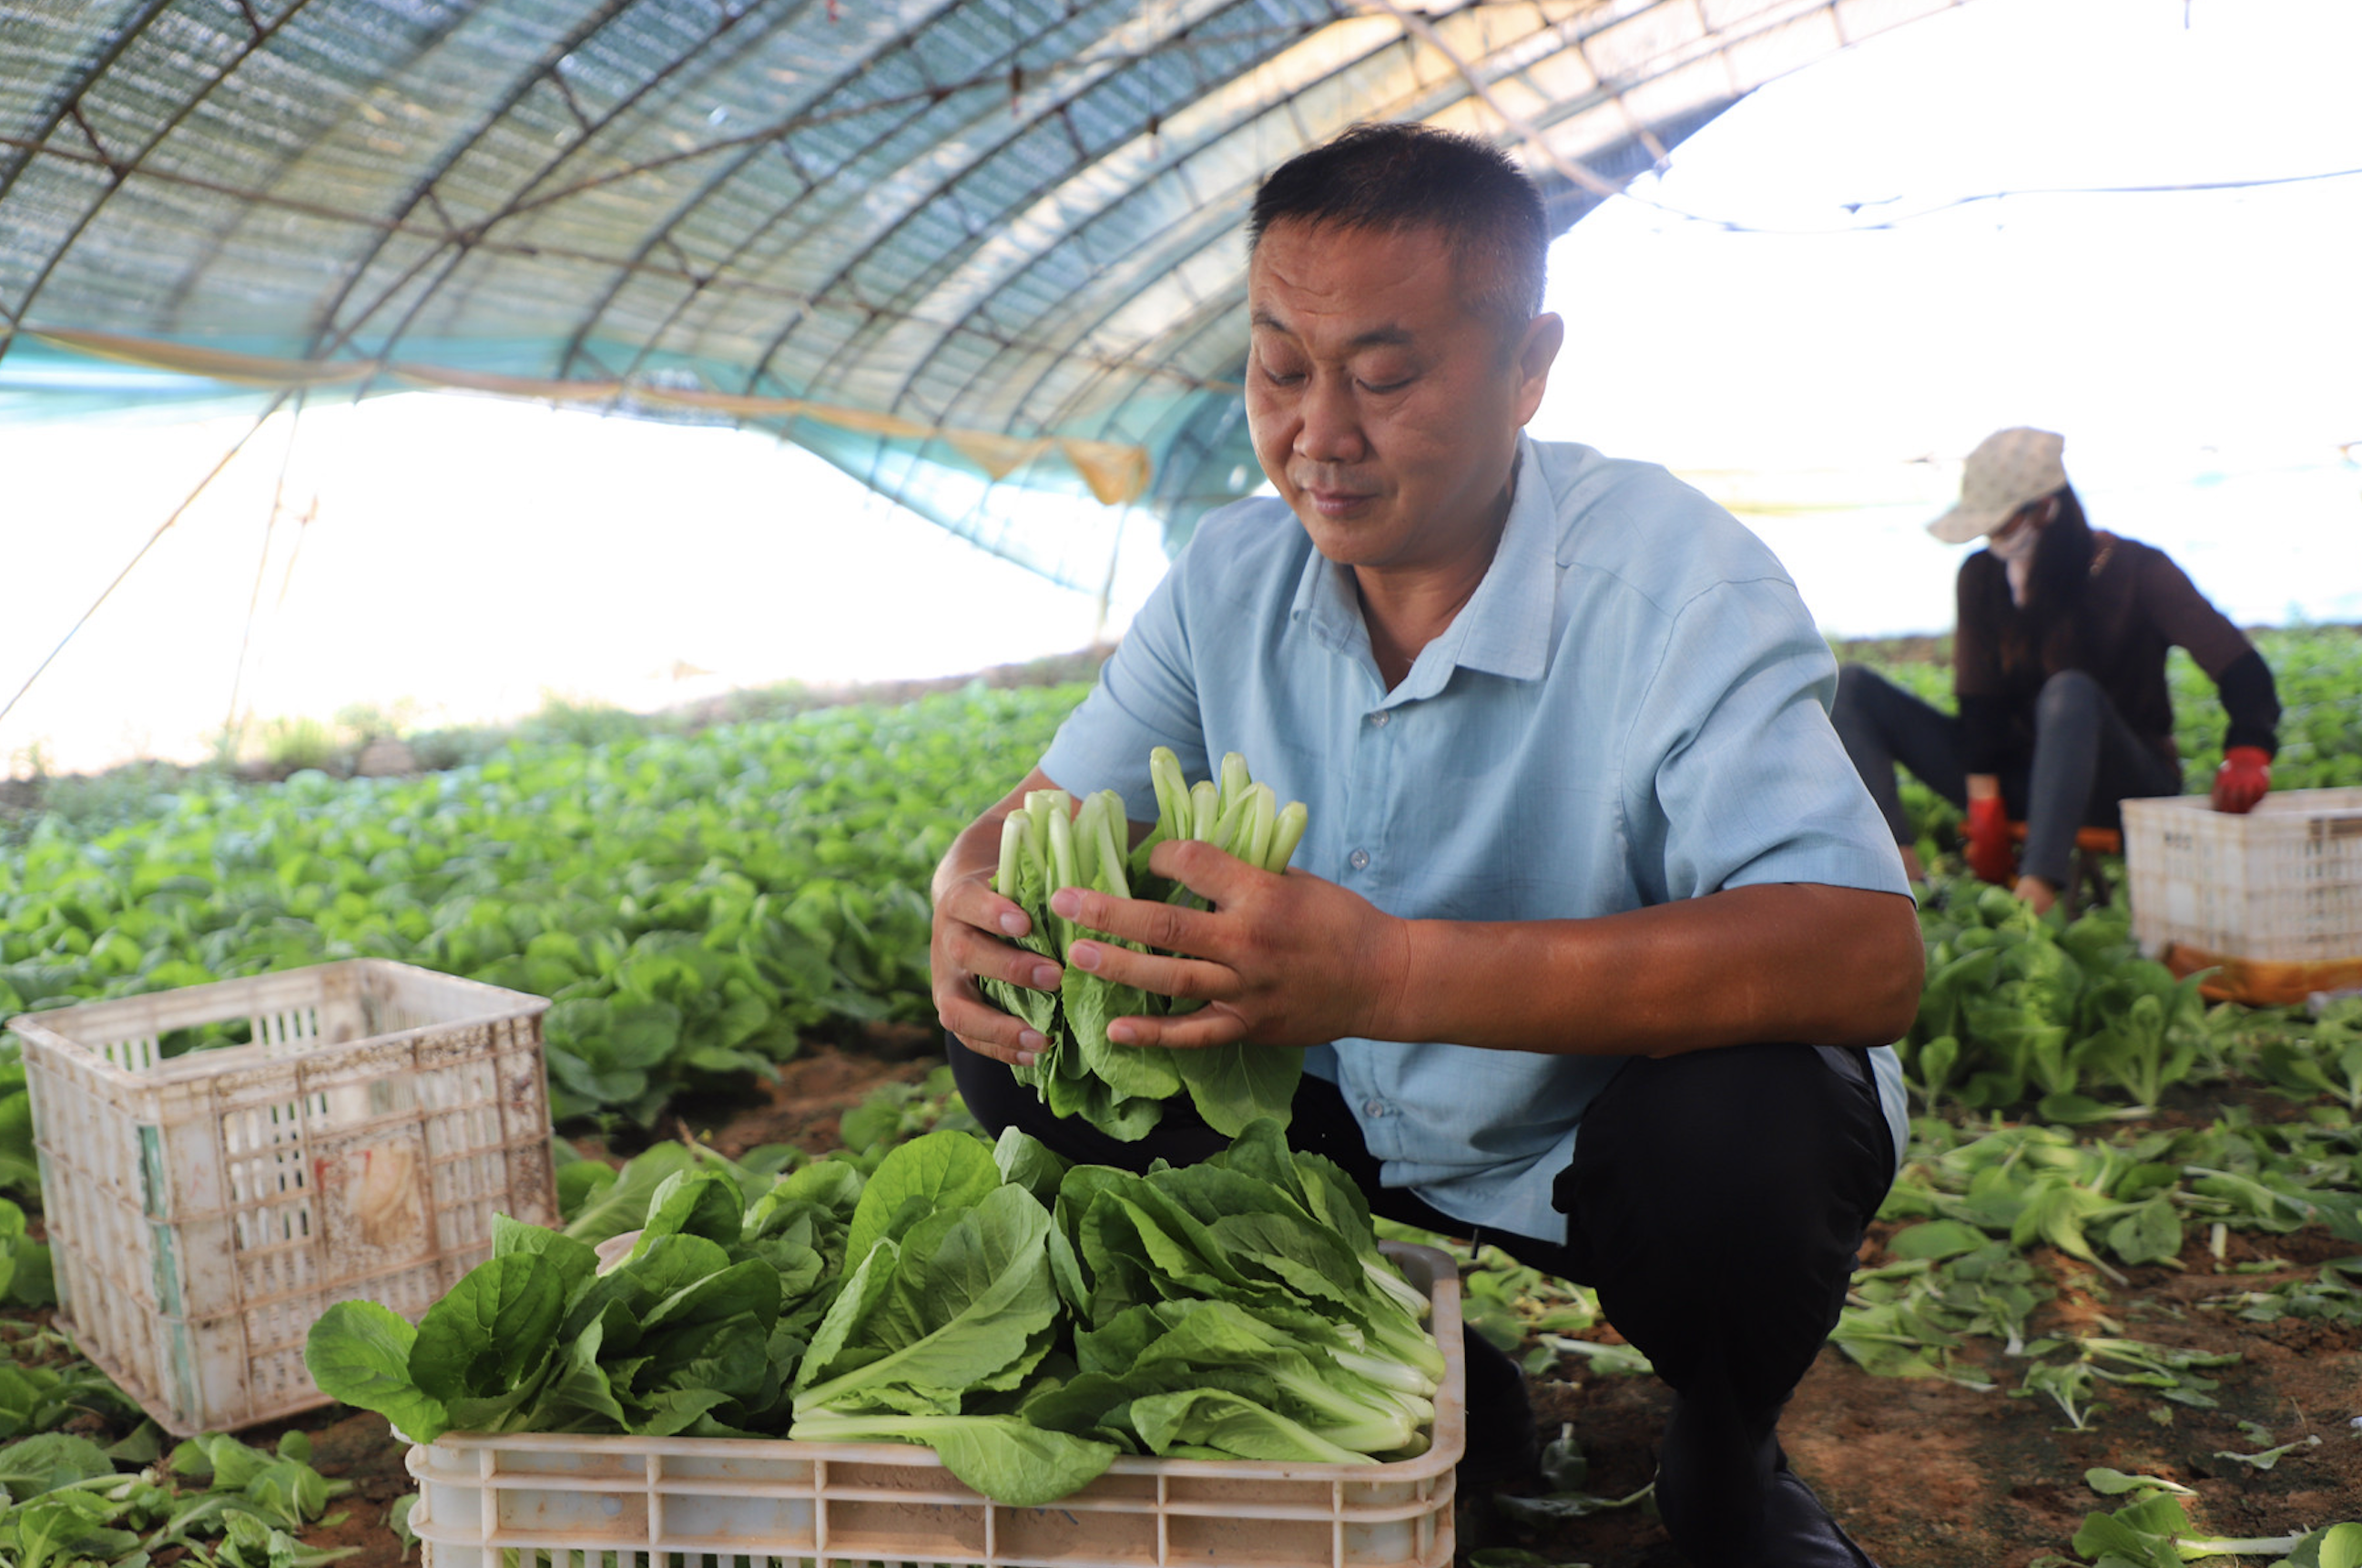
(2242, 779)
(1985, 835)
(1279, 960)
(970, 921)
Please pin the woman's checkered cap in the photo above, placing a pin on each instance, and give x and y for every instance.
(2009, 468)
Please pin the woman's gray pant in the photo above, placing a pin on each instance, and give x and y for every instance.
(2085, 759)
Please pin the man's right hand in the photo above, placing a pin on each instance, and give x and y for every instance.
(971, 922)
(1986, 836)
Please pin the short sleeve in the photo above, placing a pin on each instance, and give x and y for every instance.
(1735, 775)
(1146, 696)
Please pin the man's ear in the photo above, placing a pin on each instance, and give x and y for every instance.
(1537, 351)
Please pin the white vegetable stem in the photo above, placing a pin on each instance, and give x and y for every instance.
(1012, 854)
(1286, 833)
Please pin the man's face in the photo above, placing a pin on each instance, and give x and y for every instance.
(1384, 411)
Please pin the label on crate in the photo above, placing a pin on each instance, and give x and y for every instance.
(373, 1198)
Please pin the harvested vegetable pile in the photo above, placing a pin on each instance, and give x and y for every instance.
(1027, 1321)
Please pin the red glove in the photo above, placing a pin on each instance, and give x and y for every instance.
(1986, 837)
(2240, 782)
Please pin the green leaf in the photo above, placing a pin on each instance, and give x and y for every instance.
(2151, 1233)
(1935, 1239)
(695, 1203)
(623, 1206)
(358, 1353)
(50, 1459)
(491, 1329)
(968, 1303)
(1232, 1085)
(2130, 1539)
(575, 1261)
(288, 1493)
(1090, 1004)
(576, 1395)
(1008, 1460)
(1025, 1161)
(642, 1035)
(940, 1170)
(1214, 1419)
(2338, 1546)
(579, 1182)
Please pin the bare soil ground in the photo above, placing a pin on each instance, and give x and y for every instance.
(1924, 1474)
(1927, 1474)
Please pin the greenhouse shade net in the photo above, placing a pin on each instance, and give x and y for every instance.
(970, 253)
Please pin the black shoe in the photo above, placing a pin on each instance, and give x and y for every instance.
(1798, 1532)
(1715, 1473)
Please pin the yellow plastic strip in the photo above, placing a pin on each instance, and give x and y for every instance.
(538, 388)
(1115, 471)
(213, 364)
(2259, 982)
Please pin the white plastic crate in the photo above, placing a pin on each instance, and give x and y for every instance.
(540, 1500)
(2274, 897)
(205, 1208)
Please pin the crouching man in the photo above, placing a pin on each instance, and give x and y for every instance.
(1597, 938)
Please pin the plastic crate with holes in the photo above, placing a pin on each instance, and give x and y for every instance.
(206, 1206)
(2271, 901)
(553, 1500)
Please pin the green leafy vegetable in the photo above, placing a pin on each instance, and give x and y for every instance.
(1052, 844)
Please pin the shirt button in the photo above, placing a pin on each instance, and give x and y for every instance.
(1358, 860)
(1375, 1106)
(1380, 719)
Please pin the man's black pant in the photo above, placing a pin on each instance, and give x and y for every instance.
(1716, 1202)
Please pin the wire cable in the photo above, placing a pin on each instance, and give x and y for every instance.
(1733, 226)
(261, 566)
(161, 529)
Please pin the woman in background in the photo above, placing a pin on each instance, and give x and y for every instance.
(2058, 666)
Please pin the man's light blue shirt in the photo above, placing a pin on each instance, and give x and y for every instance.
(1632, 708)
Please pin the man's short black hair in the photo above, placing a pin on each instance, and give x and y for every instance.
(1394, 176)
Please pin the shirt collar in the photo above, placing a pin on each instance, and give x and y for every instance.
(1503, 629)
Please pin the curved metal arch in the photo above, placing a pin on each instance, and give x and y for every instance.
(754, 151)
(932, 275)
(758, 147)
(261, 36)
(100, 63)
(519, 204)
(695, 200)
(193, 274)
(1213, 232)
(1170, 260)
(422, 188)
(763, 362)
(1246, 119)
(1182, 502)
(885, 310)
(1452, 90)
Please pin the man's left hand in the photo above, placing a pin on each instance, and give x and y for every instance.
(1279, 960)
(2242, 779)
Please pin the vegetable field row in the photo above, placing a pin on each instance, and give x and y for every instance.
(691, 905)
(2121, 1207)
